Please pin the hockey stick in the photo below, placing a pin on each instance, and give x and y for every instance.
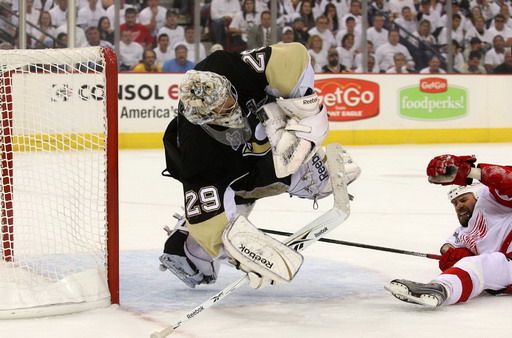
(359, 245)
(299, 241)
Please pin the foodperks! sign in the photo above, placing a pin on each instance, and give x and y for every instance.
(348, 99)
(433, 99)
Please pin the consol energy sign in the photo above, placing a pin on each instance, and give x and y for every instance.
(348, 99)
(433, 99)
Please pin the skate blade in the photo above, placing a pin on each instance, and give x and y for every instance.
(401, 292)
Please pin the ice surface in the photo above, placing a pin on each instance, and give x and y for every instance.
(339, 291)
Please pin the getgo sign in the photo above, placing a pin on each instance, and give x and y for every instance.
(433, 99)
(348, 99)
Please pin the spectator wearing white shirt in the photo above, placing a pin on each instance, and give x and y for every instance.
(317, 53)
(175, 32)
(355, 12)
(407, 22)
(384, 54)
(222, 13)
(371, 67)
(475, 45)
(480, 32)
(501, 29)
(321, 29)
(484, 6)
(426, 12)
(153, 16)
(463, 19)
(457, 33)
(32, 17)
(163, 50)
(379, 7)
(496, 6)
(346, 52)
(106, 30)
(93, 36)
(305, 11)
(59, 13)
(332, 16)
(457, 57)
(496, 55)
(377, 34)
(37, 5)
(111, 11)
(473, 66)
(46, 31)
(475, 12)
(396, 7)
(189, 42)
(342, 6)
(79, 34)
(130, 52)
(244, 20)
(90, 15)
(505, 11)
(423, 34)
(358, 59)
(399, 65)
(434, 67)
(350, 24)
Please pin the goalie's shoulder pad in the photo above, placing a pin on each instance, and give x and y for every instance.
(259, 252)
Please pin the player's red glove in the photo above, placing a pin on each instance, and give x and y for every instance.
(452, 256)
(450, 169)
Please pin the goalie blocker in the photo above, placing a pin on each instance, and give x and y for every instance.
(266, 260)
(296, 129)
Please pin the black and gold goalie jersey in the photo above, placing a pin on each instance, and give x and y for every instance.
(219, 172)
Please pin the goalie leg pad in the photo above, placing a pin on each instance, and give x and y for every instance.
(259, 253)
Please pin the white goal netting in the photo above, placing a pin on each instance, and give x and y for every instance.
(56, 174)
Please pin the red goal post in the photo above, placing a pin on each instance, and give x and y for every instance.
(59, 250)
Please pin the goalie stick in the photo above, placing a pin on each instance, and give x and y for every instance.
(300, 240)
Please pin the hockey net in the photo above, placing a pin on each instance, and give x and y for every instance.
(58, 191)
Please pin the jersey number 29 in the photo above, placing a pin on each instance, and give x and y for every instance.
(206, 200)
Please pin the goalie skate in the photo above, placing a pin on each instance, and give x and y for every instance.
(181, 268)
(431, 295)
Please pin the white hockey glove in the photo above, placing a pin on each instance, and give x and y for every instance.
(266, 260)
(296, 129)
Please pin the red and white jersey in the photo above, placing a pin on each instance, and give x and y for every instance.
(488, 227)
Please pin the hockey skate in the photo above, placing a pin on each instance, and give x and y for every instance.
(431, 295)
(182, 268)
(182, 256)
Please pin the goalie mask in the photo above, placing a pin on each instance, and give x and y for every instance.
(209, 98)
(475, 189)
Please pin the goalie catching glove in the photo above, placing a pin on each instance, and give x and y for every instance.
(265, 260)
(296, 129)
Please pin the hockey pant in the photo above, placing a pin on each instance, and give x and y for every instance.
(472, 275)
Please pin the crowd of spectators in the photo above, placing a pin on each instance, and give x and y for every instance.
(403, 36)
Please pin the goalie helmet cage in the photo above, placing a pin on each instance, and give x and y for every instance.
(59, 189)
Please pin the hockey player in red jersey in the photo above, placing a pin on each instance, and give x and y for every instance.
(249, 126)
(478, 256)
